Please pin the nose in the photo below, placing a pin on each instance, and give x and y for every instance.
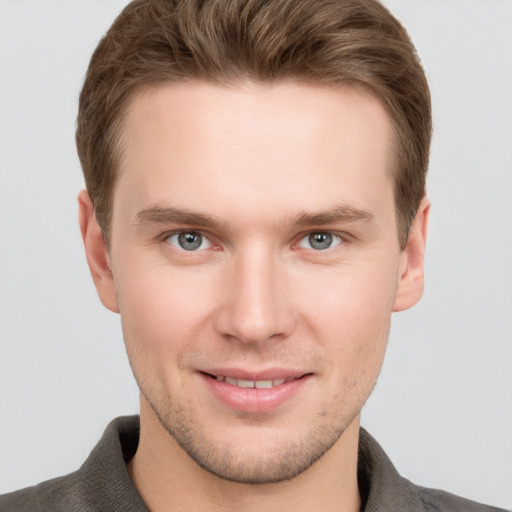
(254, 305)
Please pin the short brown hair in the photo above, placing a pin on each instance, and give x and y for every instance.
(324, 42)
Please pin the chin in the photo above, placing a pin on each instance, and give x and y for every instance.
(257, 454)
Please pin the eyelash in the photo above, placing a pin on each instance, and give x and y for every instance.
(341, 239)
(334, 237)
(179, 232)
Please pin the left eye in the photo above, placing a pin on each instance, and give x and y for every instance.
(320, 241)
(188, 241)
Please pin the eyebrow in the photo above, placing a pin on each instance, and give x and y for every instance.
(168, 215)
(338, 214)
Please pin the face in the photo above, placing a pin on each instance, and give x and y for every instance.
(255, 265)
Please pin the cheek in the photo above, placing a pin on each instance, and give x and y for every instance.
(162, 308)
(348, 310)
(352, 297)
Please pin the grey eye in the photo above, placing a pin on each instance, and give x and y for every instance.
(188, 241)
(320, 241)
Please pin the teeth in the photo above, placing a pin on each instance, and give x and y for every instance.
(263, 384)
(242, 383)
(258, 384)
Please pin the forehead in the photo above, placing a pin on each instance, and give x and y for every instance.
(272, 111)
(185, 142)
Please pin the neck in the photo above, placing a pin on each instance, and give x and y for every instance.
(168, 479)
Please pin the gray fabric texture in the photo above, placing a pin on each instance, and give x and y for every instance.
(103, 484)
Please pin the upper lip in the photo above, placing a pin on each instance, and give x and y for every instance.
(256, 375)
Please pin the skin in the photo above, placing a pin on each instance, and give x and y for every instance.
(270, 164)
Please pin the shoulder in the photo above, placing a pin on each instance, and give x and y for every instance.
(63, 493)
(101, 483)
(435, 500)
(383, 488)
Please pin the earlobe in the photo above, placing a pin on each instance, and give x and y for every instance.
(96, 252)
(411, 278)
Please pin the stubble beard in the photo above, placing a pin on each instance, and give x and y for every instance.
(249, 466)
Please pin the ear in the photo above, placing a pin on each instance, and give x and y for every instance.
(412, 261)
(96, 252)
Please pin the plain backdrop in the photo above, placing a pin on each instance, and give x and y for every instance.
(443, 406)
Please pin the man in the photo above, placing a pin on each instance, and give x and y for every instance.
(255, 210)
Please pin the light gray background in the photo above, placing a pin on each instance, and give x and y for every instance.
(443, 406)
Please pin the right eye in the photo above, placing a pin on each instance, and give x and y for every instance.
(188, 241)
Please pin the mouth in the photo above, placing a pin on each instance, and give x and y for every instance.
(258, 384)
(256, 392)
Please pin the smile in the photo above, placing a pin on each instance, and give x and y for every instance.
(255, 392)
(258, 384)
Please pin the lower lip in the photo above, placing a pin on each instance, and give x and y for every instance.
(253, 400)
